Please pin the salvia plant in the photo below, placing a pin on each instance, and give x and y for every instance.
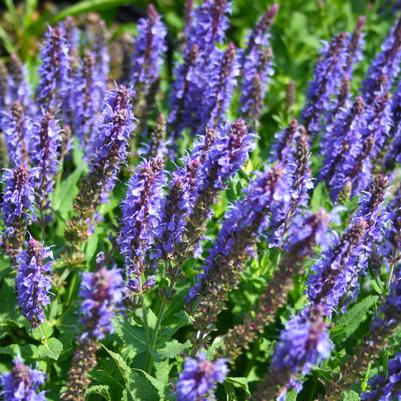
(158, 245)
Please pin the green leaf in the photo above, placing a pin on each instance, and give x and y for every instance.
(320, 198)
(217, 345)
(6, 40)
(349, 322)
(66, 191)
(291, 395)
(101, 390)
(239, 382)
(351, 396)
(133, 337)
(171, 349)
(140, 388)
(122, 366)
(162, 371)
(43, 331)
(51, 349)
(29, 8)
(161, 387)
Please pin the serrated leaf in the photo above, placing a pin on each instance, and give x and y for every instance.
(217, 345)
(133, 337)
(171, 349)
(349, 322)
(51, 349)
(43, 331)
(239, 382)
(123, 367)
(161, 387)
(140, 388)
(351, 396)
(162, 371)
(101, 390)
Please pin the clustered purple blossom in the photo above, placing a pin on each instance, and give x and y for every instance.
(326, 83)
(111, 140)
(17, 206)
(15, 127)
(140, 219)
(257, 66)
(54, 83)
(102, 294)
(147, 58)
(243, 222)
(385, 65)
(199, 377)
(339, 268)
(33, 281)
(303, 343)
(198, 76)
(22, 383)
(85, 114)
(45, 140)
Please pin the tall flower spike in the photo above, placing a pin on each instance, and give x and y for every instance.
(257, 67)
(85, 110)
(326, 83)
(102, 293)
(341, 138)
(393, 154)
(299, 247)
(385, 386)
(243, 223)
(199, 377)
(282, 147)
(328, 282)
(109, 152)
(157, 143)
(226, 156)
(4, 100)
(221, 90)
(15, 127)
(140, 219)
(355, 45)
(33, 281)
(22, 383)
(200, 70)
(385, 64)
(45, 140)
(147, 58)
(337, 272)
(53, 88)
(18, 86)
(303, 344)
(299, 178)
(17, 207)
(370, 347)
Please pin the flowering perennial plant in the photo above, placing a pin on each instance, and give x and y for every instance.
(172, 230)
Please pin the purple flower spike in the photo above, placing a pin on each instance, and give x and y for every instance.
(355, 45)
(22, 383)
(45, 139)
(102, 294)
(141, 218)
(85, 111)
(199, 377)
(394, 152)
(326, 82)
(33, 281)
(257, 66)
(150, 47)
(111, 141)
(386, 64)
(221, 89)
(15, 127)
(244, 222)
(17, 206)
(54, 83)
(386, 387)
(18, 86)
(303, 344)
